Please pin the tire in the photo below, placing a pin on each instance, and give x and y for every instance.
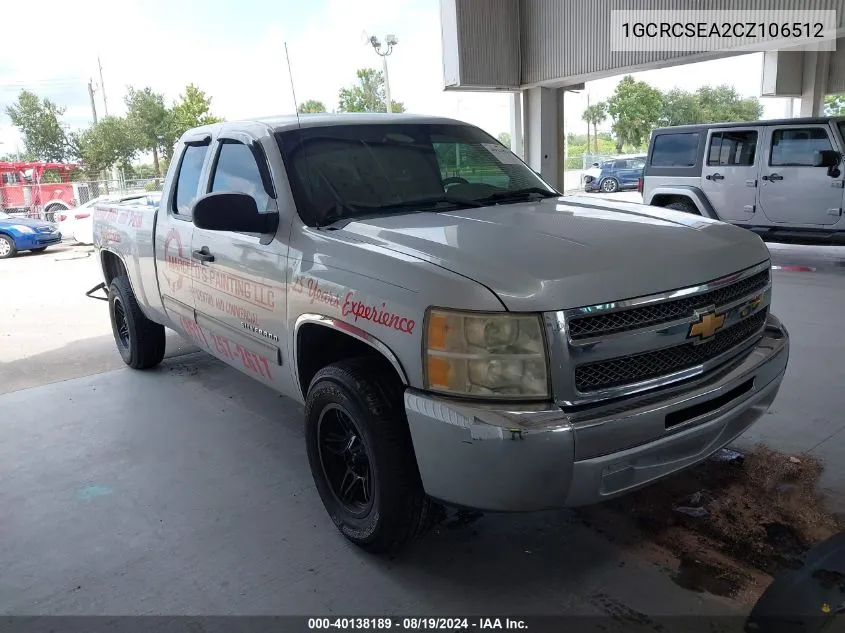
(141, 342)
(683, 205)
(38, 250)
(355, 406)
(609, 185)
(7, 247)
(51, 211)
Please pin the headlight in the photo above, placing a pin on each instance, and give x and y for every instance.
(485, 355)
(24, 229)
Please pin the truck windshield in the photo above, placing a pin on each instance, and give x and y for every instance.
(344, 172)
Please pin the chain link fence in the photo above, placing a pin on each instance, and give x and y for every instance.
(47, 201)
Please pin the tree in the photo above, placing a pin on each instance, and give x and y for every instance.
(151, 121)
(834, 105)
(680, 107)
(722, 103)
(593, 115)
(505, 139)
(368, 95)
(44, 137)
(635, 108)
(107, 144)
(192, 110)
(311, 106)
(708, 105)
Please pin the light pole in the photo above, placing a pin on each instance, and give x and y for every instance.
(390, 41)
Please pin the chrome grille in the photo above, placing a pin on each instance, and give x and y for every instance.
(640, 367)
(591, 326)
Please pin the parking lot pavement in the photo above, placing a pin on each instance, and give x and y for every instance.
(807, 415)
(186, 489)
(49, 329)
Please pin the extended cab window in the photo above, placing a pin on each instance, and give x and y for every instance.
(732, 148)
(795, 147)
(187, 184)
(675, 150)
(237, 171)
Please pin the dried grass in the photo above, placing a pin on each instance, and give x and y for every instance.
(761, 516)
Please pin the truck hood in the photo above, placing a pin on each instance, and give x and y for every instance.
(569, 252)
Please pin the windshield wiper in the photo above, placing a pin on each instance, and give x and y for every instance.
(519, 194)
(345, 211)
(434, 201)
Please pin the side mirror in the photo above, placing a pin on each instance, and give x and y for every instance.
(227, 211)
(826, 158)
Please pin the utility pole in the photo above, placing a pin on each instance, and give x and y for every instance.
(103, 88)
(93, 105)
(390, 41)
(386, 83)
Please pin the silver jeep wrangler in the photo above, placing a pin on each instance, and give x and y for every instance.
(781, 179)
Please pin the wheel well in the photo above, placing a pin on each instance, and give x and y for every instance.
(112, 267)
(56, 205)
(664, 199)
(318, 346)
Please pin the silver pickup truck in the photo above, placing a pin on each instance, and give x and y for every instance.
(458, 332)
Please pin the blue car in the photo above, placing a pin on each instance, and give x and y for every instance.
(615, 175)
(25, 234)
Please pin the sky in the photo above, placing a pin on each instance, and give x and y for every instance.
(237, 56)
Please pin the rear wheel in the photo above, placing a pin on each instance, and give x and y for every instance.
(683, 205)
(361, 455)
(141, 342)
(7, 247)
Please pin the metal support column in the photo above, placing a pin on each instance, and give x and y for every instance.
(814, 82)
(517, 146)
(543, 125)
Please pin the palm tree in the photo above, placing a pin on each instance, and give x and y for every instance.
(593, 115)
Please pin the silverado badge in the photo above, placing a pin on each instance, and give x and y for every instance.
(751, 306)
(707, 325)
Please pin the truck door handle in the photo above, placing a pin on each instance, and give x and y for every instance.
(203, 255)
(715, 177)
(773, 177)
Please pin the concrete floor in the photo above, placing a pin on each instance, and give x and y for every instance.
(186, 490)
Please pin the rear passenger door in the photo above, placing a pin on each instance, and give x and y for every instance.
(792, 190)
(175, 230)
(238, 288)
(628, 172)
(730, 172)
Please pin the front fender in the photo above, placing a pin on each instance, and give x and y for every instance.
(23, 241)
(345, 328)
(693, 194)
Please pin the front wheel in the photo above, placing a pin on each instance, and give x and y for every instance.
(7, 247)
(141, 342)
(610, 185)
(361, 456)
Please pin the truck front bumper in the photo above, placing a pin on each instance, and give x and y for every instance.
(521, 458)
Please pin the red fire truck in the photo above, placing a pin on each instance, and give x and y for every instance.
(26, 189)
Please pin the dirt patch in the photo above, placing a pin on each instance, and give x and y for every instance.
(725, 526)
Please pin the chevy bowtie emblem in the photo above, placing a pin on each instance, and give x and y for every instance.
(707, 325)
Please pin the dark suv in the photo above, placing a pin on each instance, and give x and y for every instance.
(615, 175)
